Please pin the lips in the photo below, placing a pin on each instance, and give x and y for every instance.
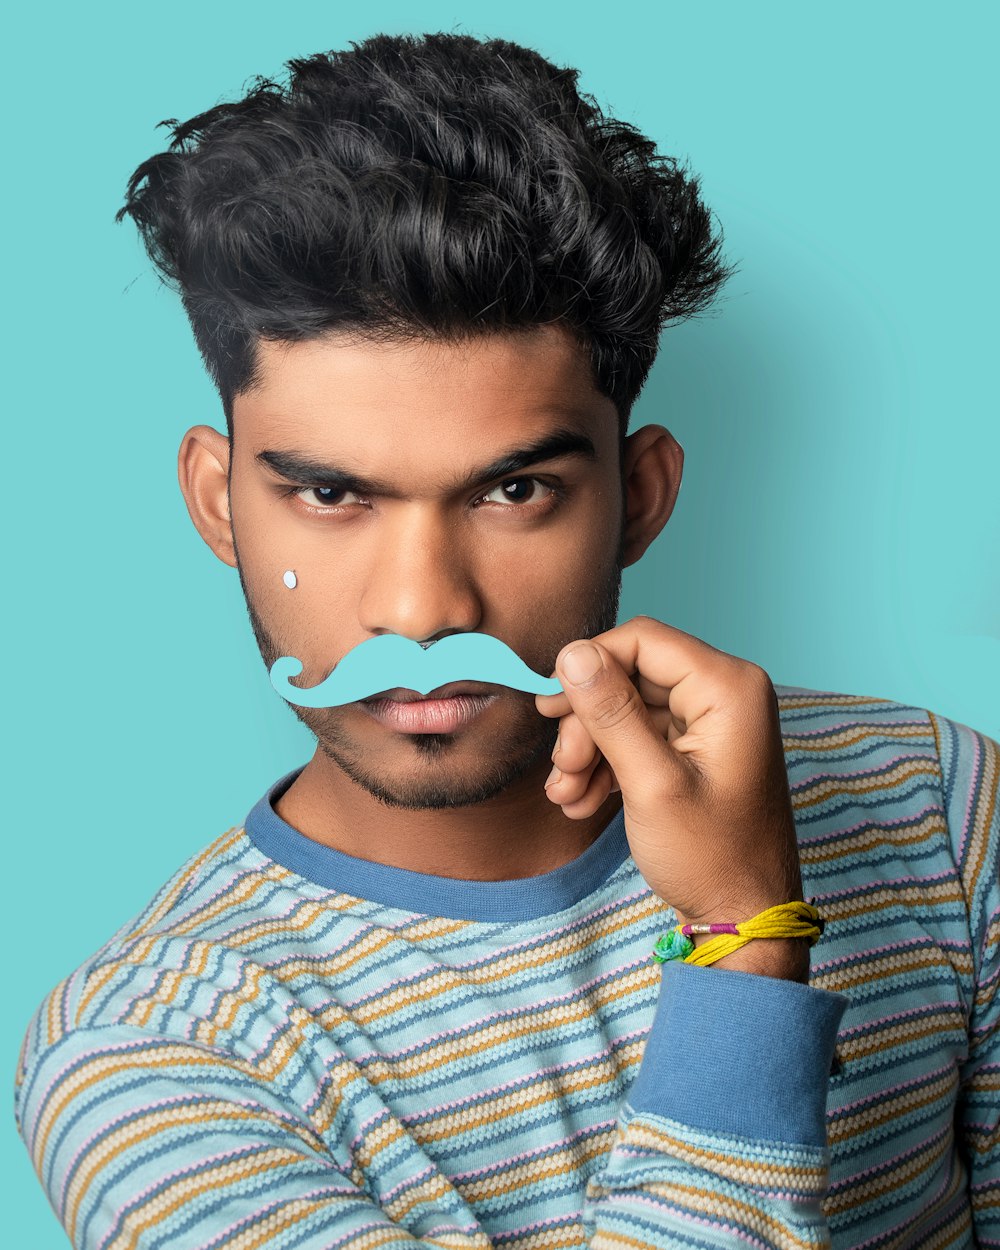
(399, 694)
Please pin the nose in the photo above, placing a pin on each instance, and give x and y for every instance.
(418, 584)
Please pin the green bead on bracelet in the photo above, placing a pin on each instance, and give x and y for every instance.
(672, 945)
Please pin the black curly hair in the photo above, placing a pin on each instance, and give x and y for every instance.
(440, 186)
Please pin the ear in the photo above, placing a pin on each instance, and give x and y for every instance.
(651, 468)
(202, 470)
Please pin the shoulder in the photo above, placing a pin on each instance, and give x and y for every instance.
(970, 795)
(883, 748)
(830, 719)
(970, 780)
(108, 987)
(856, 750)
(896, 795)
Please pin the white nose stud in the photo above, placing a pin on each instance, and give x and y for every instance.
(289, 578)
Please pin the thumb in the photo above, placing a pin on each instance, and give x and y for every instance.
(611, 709)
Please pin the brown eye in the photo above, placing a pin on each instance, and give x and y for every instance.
(520, 485)
(322, 496)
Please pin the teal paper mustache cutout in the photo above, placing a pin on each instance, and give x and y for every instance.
(390, 660)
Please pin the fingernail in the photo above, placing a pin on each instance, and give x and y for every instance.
(581, 663)
(553, 776)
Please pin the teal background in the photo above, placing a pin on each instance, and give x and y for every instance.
(839, 517)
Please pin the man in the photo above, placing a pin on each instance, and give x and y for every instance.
(412, 998)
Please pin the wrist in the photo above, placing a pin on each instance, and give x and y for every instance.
(785, 958)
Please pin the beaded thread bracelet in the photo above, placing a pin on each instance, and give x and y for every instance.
(796, 919)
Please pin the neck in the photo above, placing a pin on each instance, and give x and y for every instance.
(519, 833)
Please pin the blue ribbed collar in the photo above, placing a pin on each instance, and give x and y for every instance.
(524, 898)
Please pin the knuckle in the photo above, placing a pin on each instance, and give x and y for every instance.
(616, 708)
(757, 677)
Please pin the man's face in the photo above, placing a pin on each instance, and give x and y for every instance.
(532, 557)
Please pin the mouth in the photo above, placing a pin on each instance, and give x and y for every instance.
(430, 714)
(399, 694)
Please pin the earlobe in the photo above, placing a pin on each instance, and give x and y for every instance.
(202, 471)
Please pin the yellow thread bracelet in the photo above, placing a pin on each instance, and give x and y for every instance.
(796, 919)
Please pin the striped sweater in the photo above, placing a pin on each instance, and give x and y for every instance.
(293, 1047)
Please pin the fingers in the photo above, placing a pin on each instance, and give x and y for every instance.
(645, 664)
(586, 778)
(575, 750)
(581, 794)
(578, 759)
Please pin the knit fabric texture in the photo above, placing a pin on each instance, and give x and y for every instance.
(294, 1047)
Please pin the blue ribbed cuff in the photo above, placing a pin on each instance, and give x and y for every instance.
(740, 1053)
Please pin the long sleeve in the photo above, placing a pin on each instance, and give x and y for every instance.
(970, 765)
(723, 1135)
(143, 1140)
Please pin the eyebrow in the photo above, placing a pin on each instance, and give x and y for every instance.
(298, 467)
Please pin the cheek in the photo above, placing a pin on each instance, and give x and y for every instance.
(272, 566)
(573, 566)
(541, 594)
(571, 550)
(274, 554)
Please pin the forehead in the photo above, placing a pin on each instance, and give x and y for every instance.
(339, 384)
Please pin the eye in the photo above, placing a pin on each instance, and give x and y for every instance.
(519, 483)
(323, 495)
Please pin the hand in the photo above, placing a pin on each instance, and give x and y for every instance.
(691, 737)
